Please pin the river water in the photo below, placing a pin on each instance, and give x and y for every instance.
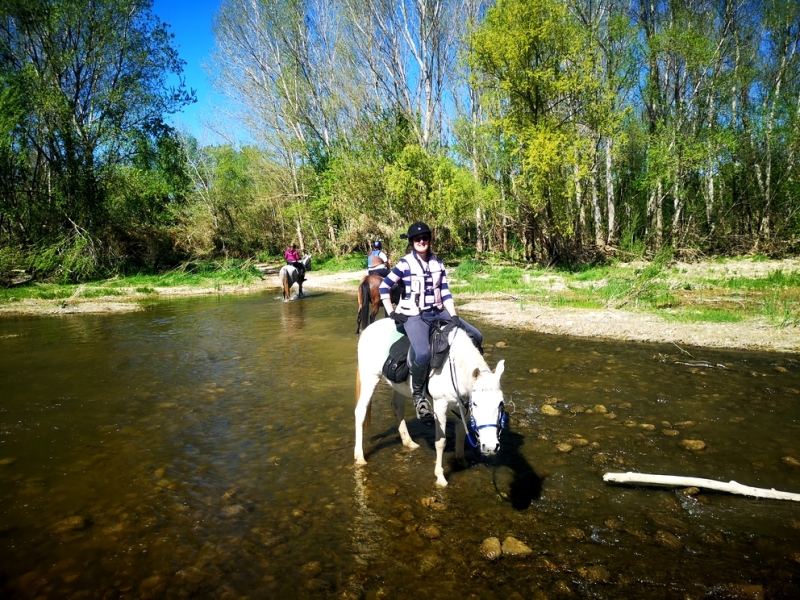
(204, 448)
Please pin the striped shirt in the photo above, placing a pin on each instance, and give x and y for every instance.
(403, 271)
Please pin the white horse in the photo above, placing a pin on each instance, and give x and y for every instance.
(464, 384)
(288, 276)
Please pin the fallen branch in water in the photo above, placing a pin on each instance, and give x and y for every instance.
(732, 487)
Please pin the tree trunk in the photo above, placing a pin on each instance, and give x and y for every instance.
(611, 209)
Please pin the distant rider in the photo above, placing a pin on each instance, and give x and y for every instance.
(377, 261)
(427, 299)
(292, 257)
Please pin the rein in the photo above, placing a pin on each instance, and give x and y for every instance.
(461, 401)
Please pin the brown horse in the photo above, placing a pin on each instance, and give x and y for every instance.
(368, 289)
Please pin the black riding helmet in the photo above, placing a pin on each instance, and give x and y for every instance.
(377, 244)
(416, 229)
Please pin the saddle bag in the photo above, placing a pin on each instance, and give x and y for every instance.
(396, 366)
(440, 345)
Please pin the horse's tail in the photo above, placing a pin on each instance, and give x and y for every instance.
(368, 415)
(363, 305)
(286, 283)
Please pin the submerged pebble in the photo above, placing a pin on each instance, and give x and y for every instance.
(668, 540)
(564, 448)
(594, 573)
(791, 461)
(550, 411)
(693, 445)
(75, 523)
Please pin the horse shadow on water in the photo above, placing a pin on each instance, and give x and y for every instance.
(514, 478)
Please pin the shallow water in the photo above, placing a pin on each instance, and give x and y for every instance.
(204, 448)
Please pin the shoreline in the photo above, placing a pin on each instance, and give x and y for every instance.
(608, 323)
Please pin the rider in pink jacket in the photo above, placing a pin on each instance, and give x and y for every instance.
(292, 257)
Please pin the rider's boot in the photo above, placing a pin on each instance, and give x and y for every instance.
(419, 379)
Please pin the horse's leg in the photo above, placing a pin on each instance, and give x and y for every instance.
(299, 286)
(364, 391)
(399, 405)
(440, 414)
(358, 314)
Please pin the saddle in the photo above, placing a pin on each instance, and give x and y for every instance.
(400, 354)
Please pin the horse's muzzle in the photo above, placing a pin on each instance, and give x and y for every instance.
(490, 449)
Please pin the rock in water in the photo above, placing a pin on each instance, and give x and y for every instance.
(513, 547)
(491, 549)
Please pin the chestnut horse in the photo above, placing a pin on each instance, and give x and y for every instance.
(369, 289)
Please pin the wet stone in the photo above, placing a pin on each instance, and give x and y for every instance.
(648, 426)
(534, 370)
(550, 411)
(561, 588)
(513, 547)
(791, 461)
(500, 345)
(693, 445)
(311, 569)
(430, 531)
(577, 409)
(234, 510)
(75, 523)
(491, 548)
(579, 442)
(684, 424)
(690, 491)
(575, 533)
(670, 432)
(316, 585)
(780, 369)
(712, 537)
(599, 408)
(407, 516)
(594, 573)
(668, 540)
(564, 448)
(610, 416)
(599, 458)
(9, 460)
(614, 524)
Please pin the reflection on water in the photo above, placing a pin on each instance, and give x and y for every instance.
(205, 448)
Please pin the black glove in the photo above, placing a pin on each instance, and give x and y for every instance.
(398, 318)
(457, 321)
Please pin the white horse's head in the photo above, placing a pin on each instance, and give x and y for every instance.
(487, 414)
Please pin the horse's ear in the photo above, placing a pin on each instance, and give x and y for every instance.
(476, 373)
(501, 366)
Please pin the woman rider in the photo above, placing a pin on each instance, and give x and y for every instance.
(377, 261)
(427, 299)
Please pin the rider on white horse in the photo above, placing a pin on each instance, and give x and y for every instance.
(427, 300)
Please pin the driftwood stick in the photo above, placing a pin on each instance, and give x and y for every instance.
(732, 487)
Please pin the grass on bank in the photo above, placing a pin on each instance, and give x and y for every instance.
(723, 297)
(212, 275)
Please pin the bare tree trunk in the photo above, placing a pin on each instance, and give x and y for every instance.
(598, 216)
(611, 210)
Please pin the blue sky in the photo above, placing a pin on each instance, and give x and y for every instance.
(190, 21)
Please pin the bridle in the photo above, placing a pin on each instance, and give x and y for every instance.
(466, 403)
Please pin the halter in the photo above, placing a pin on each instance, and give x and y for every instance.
(502, 419)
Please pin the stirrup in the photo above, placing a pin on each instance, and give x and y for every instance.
(423, 408)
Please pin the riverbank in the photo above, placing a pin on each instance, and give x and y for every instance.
(534, 312)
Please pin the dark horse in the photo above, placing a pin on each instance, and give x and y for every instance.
(368, 288)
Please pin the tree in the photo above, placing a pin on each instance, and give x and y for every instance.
(94, 81)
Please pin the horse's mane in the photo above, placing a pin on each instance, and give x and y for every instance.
(466, 356)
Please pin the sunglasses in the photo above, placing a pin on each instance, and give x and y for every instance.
(424, 239)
